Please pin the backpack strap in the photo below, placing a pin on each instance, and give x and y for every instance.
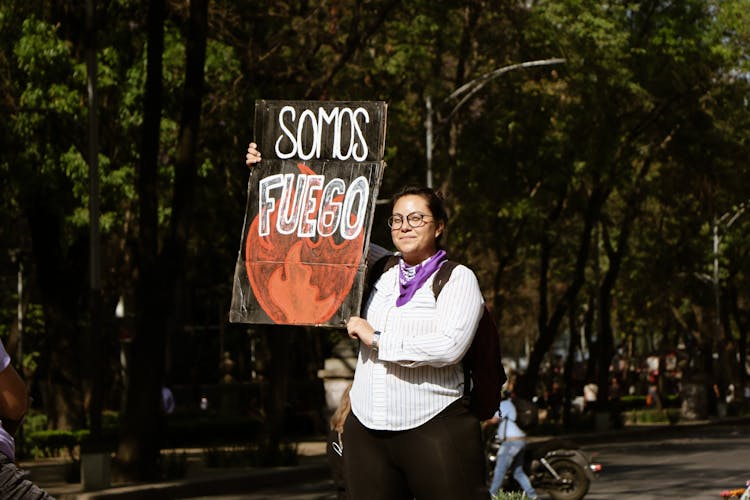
(442, 276)
(374, 272)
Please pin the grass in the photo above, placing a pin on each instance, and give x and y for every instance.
(502, 495)
(652, 416)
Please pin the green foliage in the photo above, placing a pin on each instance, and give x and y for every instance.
(34, 421)
(37, 440)
(649, 111)
(53, 443)
(217, 432)
(512, 495)
(652, 416)
(638, 402)
(51, 82)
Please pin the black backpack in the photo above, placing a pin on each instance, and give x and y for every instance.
(484, 374)
(527, 414)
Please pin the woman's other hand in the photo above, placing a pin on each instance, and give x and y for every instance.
(253, 155)
(359, 328)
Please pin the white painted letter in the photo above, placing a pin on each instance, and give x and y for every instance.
(359, 189)
(289, 209)
(287, 132)
(307, 115)
(337, 153)
(329, 119)
(330, 209)
(307, 225)
(267, 204)
(355, 125)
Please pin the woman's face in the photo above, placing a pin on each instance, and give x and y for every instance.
(415, 243)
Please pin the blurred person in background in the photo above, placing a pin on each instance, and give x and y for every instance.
(14, 402)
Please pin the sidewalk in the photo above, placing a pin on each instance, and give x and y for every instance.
(313, 466)
(199, 479)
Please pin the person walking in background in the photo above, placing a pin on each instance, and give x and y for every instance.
(512, 444)
(14, 402)
(410, 433)
(167, 400)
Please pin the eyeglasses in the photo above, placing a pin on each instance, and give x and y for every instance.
(414, 219)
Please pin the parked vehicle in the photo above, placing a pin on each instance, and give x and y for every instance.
(558, 467)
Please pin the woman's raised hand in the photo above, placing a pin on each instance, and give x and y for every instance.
(253, 155)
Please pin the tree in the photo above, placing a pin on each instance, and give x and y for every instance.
(160, 267)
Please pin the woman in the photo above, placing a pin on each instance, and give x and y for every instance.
(409, 433)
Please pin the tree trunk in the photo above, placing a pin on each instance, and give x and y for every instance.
(280, 343)
(615, 256)
(605, 343)
(56, 272)
(160, 274)
(549, 326)
(138, 450)
(573, 346)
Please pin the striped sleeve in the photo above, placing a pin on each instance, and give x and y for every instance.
(456, 317)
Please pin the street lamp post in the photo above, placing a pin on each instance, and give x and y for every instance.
(95, 457)
(464, 93)
(695, 395)
(428, 139)
(95, 279)
(726, 219)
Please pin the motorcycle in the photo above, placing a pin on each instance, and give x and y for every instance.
(558, 467)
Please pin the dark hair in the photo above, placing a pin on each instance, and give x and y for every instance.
(433, 198)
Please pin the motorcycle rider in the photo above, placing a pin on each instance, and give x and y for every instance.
(512, 443)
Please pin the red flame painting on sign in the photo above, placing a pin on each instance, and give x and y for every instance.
(292, 277)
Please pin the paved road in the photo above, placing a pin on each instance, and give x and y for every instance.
(689, 463)
(694, 463)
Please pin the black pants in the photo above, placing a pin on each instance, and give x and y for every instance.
(441, 459)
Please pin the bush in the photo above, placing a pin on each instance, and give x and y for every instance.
(183, 430)
(635, 402)
(53, 443)
(652, 416)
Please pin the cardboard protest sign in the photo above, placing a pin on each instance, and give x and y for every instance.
(309, 212)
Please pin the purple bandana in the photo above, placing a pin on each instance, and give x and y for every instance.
(411, 278)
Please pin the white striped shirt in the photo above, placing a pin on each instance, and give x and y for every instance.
(417, 371)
